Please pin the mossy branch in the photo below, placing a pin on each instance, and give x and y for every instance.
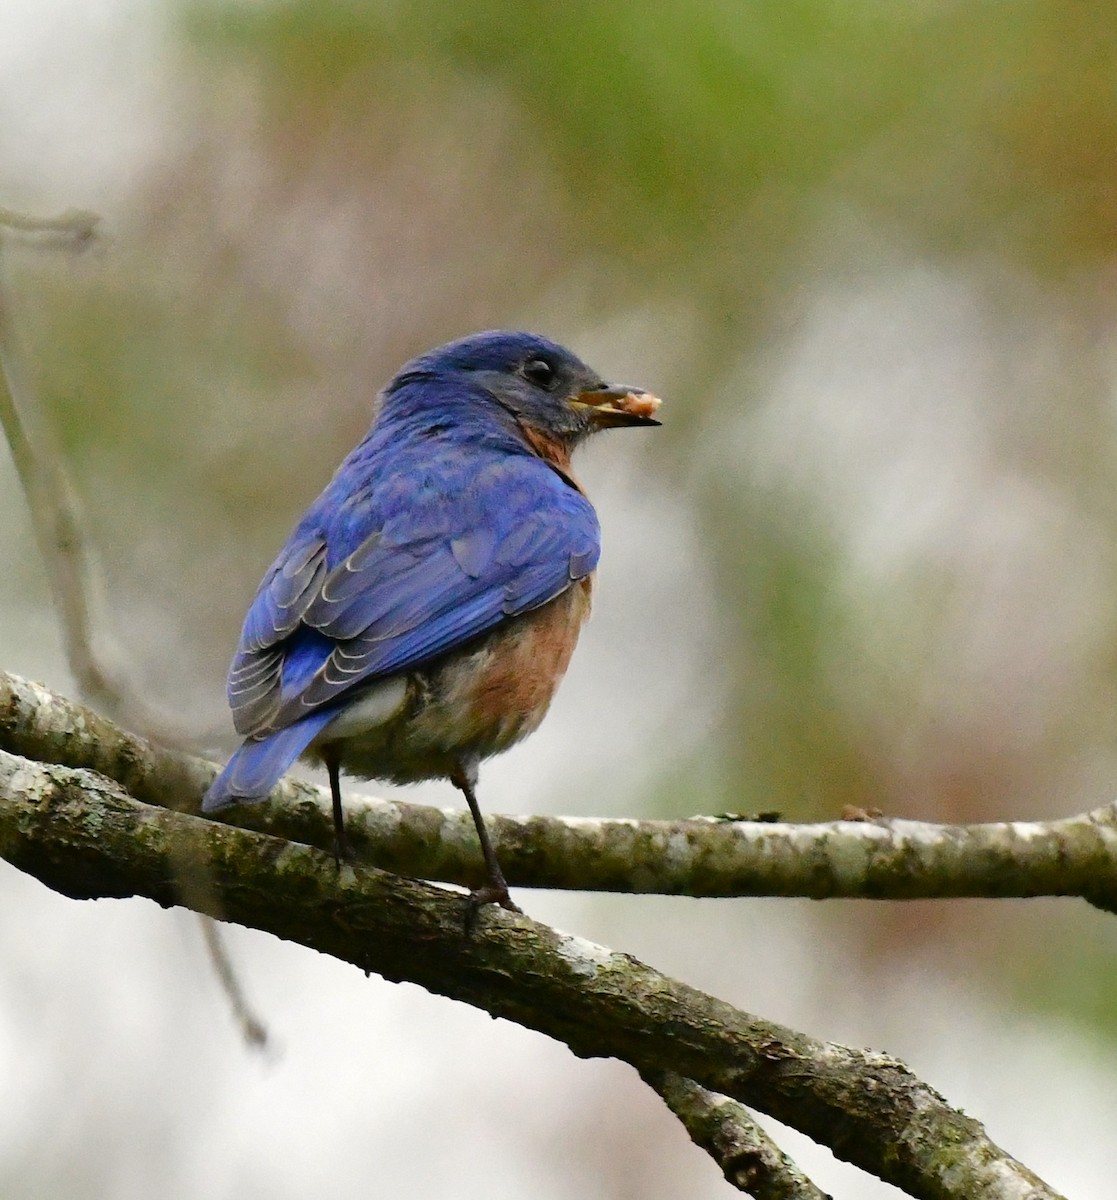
(703, 856)
(84, 836)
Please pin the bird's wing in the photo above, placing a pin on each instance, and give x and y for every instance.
(425, 560)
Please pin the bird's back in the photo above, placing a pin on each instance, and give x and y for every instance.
(431, 535)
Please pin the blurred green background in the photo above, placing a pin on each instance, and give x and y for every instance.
(867, 252)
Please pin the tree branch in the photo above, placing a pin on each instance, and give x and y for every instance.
(74, 229)
(56, 520)
(51, 499)
(748, 1157)
(253, 1031)
(703, 856)
(83, 836)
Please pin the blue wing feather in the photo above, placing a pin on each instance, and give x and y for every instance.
(414, 549)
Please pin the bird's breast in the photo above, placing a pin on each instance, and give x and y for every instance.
(501, 691)
(473, 702)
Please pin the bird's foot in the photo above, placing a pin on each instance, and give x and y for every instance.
(480, 897)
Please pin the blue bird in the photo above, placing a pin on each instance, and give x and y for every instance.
(423, 611)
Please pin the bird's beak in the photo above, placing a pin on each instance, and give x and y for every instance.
(615, 405)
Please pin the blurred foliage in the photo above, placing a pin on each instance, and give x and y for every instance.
(978, 127)
(700, 151)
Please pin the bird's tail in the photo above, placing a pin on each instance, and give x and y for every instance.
(259, 764)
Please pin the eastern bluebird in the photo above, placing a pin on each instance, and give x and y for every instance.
(424, 610)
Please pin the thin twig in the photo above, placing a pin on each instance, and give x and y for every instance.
(252, 1030)
(78, 226)
(53, 508)
(55, 518)
(726, 1130)
(52, 501)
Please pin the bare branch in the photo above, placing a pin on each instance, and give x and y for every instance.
(885, 859)
(748, 1157)
(83, 836)
(253, 1031)
(55, 518)
(71, 230)
(51, 499)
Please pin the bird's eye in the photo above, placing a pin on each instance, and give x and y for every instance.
(540, 372)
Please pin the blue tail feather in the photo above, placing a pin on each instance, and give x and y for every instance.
(258, 766)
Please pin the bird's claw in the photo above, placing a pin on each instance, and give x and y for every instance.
(480, 897)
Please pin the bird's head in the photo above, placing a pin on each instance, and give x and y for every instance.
(548, 391)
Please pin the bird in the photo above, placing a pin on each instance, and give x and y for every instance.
(424, 609)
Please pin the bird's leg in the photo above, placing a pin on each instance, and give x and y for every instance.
(342, 849)
(495, 891)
